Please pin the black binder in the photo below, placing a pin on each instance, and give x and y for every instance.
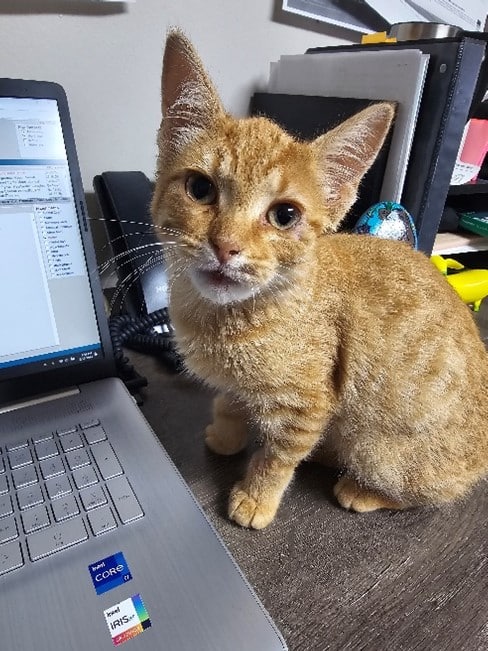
(456, 79)
(308, 116)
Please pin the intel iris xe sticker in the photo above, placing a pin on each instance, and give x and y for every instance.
(109, 573)
(127, 619)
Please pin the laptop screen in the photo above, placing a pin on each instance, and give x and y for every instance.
(48, 317)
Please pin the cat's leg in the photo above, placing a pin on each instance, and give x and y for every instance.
(228, 433)
(254, 501)
(351, 495)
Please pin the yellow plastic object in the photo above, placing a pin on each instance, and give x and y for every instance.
(377, 37)
(443, 264)
(471, 285)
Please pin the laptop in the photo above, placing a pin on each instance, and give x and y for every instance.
(101, 542)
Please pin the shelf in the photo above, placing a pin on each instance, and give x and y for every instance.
(481, 187)
(451, 243)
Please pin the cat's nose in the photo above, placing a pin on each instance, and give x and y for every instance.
(225, 250)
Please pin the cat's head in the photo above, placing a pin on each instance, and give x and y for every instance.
(244, 201)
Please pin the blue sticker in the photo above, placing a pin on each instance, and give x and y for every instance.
(109, 573)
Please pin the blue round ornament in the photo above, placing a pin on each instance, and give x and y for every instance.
(388, 220)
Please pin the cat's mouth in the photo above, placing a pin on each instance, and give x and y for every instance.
(221, 285)
(218, 278)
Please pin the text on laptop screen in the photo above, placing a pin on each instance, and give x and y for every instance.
(48, 317)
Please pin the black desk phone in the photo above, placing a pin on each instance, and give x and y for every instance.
(138, 305)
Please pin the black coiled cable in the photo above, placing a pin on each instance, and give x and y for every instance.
(139, 334)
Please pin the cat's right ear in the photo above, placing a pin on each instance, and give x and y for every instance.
(190, 102)
(346, 153)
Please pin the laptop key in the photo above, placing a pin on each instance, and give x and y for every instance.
(90, 423)
(44, 436)
(17, 445)
(3, 484)
(84, 477)
(5, 506)
(58, 486)
(29, 497)
(34, 519)
(56, 538)
(95, 434)
(101, 520)
(10, 557)
(24, 476)
(46, 449)
(105, 458)
(92, 497)
(8, 530)
(77, 459)
(52, 467)
(19, 457)
(67, 430)
(124, 499)
(64, 508)
(71, 442)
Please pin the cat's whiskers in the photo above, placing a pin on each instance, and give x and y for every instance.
(124, 284)
(130, 255)
(176, 268)
(151, 226)
(158, 258)
(162, 243)
(127, 282)
(152, 254)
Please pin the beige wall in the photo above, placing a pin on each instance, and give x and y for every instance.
(108, 57)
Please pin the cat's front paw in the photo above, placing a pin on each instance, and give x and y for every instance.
(224, 443)
(351, 495)
(250, 512)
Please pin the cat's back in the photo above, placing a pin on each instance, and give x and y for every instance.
(380, 263)
(385, 273)
(395, 296)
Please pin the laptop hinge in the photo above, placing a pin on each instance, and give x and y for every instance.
(45, 397)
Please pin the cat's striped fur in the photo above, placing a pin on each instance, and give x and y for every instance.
(342, 346)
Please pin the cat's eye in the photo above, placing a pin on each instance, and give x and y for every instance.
(283, 216)
(200, 188)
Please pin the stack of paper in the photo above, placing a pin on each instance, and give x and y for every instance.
(377, 75)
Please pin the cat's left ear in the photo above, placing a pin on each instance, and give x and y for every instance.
(346, 153)
(189, 100)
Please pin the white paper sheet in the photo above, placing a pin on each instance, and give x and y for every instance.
(470, 16)
(398, 11)
(330, 12)
(397, 77)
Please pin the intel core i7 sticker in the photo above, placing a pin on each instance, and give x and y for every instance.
(109, 573)
(127, 619)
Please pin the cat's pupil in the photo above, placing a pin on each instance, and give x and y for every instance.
(200, 188)
(285, 214)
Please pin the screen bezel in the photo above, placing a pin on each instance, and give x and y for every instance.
(12, 386)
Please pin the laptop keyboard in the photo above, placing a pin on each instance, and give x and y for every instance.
(59, 489)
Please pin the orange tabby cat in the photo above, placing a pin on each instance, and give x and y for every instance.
(343, 346)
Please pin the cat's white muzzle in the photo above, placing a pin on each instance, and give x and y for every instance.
(222, 286)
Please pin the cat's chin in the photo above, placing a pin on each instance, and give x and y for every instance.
(221, 289)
